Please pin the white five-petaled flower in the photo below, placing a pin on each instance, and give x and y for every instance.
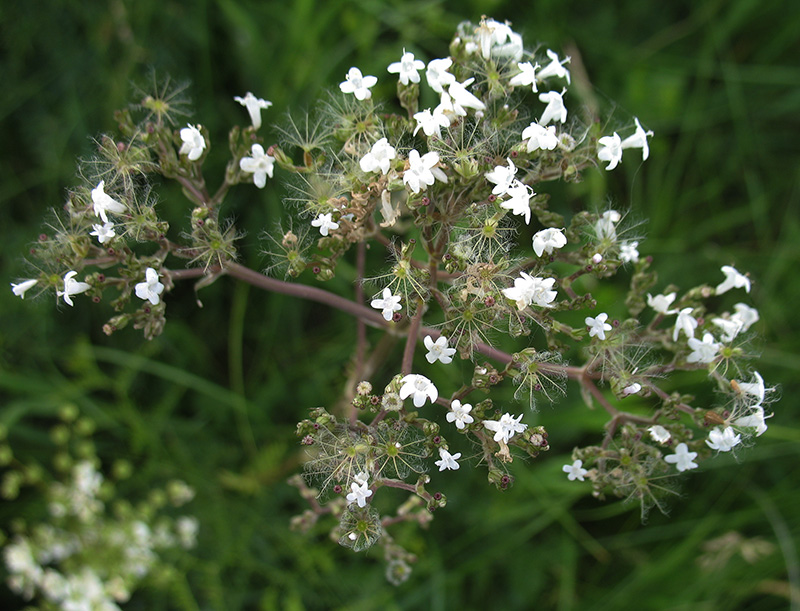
(438, 350)
(325, 223)
(408, 68)
(661, 303)
(575, 471)
(359, 493)
(598, 325)
(437, 75)
(260, 165)
(723, 440)
(419, 388)
(103, 203)
(379, 157)
(703, 351)
(730, 328)
(506, 427)
(503, 177)
(638, 140)
(733, 280)
(431, 122)
(683, 459)
(529, 290)
(448, 461)
(610, 150)
(388, 304)
(422, 171)
(103, 232)
(463, 99)
(606, 225)
(357, 84)
(628, 252)
(659, 433)
(547, 240)
(540, 137)
(555, 68)
(745, 315)
(526, 76)
(72, 287)
(686, 323)
(755, 420)
(460, 414)
(498, 40)
(193, 142)
(23, 287)
(519, 200)
(254, 107)
(755, 389)
(555, 109)
(151, 289)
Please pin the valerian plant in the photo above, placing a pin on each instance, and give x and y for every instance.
(443, 191)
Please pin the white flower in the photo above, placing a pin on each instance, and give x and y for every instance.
(605, 227)
(628, 252)
(540, 137)
(575, 471)
(151, 288)
(361, 478)
(407, 67)
(422, 171)
(72, 287)
(260, 165)
(104, 203)
(23, 287)
(419, 388)
(498, 40)
(519, 200)
(528, 290)
(730, 328)
(506, 427)
(437, 75)
(431, 122)
(438, 350)
(555, 109)
(733, 280)
(682, 459)
(547, 240)
(103, 232)
(388, 304)
(631, 389)
(325, 223)
(357, 84)
(526, 76)
(723, 440)
(555, 68)
(610, 150)
(756, 420)
(745, 315)
(638, 140)
(359, 494)
(463, 99)
(448, 461)
(659, 434)
(254, 106)
(756, 388)
(598, 325)
(193, 143)
(460, 414)
(686, 323)
(379, 157)
(503, 177)
(703, 352)
(661, 303)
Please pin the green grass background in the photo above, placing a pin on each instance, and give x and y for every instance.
(718, 82)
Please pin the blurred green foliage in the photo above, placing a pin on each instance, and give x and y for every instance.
(717, 81)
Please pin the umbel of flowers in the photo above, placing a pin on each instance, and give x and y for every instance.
(440, 183)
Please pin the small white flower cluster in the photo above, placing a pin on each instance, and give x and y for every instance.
(65, 560)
